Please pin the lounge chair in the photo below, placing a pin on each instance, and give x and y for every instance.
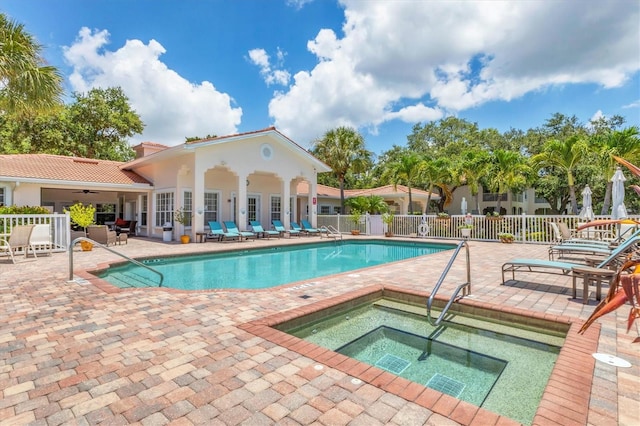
(41, 237)
(563, 235)
(278, 226)
(563, 268)
(18, 239)
(233, 228)
(259, 230)
(298, 228)
(309, 229)
(586, 248)
(220, 234)
(102, 234)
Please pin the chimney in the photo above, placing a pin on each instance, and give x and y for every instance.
(148, 148)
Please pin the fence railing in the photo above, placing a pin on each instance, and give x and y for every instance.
(60, 226)
(524, 228)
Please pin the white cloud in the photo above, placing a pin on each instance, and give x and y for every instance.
(395, 57)
(171, 107)
(271, 76)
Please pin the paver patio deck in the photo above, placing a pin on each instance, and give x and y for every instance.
(73, 353)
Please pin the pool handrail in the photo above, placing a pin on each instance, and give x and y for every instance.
(95, 243)
(330, 231)
(464, 286)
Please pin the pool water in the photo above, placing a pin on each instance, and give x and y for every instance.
(494, 365)
(267, 267)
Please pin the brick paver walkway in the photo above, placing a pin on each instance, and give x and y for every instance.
(72, 353)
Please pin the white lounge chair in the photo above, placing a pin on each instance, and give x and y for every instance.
(18, 239)
(41, 237)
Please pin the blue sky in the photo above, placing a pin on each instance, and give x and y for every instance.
(198, 67)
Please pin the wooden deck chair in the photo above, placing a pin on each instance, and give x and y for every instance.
(18, 239)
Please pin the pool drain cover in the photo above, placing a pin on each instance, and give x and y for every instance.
(393, 364)
(446, 385)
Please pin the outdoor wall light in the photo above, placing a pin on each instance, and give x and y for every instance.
(242, 211)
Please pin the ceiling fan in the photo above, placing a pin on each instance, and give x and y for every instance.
(85, 191)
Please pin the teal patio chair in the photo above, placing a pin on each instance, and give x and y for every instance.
(309, 229)
(233, 228)
(218, 233)
(278, 226)
(563, 268)
(256, 227)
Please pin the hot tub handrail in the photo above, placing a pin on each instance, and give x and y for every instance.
(95, 243)
(464, 286)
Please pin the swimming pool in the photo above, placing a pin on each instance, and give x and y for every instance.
(266, 267)
(502, 365)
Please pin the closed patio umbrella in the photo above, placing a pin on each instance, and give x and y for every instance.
(587, 209)
(618, 210)
(463, 205)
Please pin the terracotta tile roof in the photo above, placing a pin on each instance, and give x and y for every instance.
(387, 190)
(62, 168)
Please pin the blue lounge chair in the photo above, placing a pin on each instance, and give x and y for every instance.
(232, 227)
(308, 228)
(585, 248)
(259, 230)
(563, 268)
(278, 226)
(298, 228)
(218, 233)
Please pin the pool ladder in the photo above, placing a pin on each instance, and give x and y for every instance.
(464, 287)
(331, 232)
(95, 243)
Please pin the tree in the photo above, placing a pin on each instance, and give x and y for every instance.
(343, 149)
(473, 167)
(406, 170)
(508, 172)
(102, 121)
(437, 173)
(97, 125)
(372, 204)
(26, 83)
(566, 155)
(618, 143)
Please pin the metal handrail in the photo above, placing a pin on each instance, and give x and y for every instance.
(465, 286)
(330, 230)
(135, 262)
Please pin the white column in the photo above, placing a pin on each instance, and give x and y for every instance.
(313, 207)
(242, 202)
(197, 223)
(286, 201)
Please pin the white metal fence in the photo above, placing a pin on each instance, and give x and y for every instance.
(525, 228)
(60, 228)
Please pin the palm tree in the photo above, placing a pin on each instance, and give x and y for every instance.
(473, 167)
(508, 172)
(620, 143)
(406, 170)
(26, 84)
(436, 173)
(564, 154)
(343, 149)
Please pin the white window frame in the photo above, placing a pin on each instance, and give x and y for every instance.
(166, 215)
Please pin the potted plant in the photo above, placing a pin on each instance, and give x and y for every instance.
(493, 216)
(82, 216)
(465, 230)
(387, 219)
(443, 216)
(506, 237)
(183, 218)
(355, 217)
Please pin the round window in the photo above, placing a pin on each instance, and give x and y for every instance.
(266, 151)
